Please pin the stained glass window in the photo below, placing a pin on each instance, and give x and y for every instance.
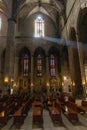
(39, 27)
(26, 65)
(39, 65)
(52, 66)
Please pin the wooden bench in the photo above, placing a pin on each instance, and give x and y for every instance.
(83, 107)
(55, 114)
(19, 115)
(71, 99)
(37, 104)
(4, 114)
(37, 115)
(71, 111)
(26, 108)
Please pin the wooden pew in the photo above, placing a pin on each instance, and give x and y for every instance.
(37, 115)
(83, 107)
(9, 105)
(55, 114)
(20, 114)
(71, 99)
(27, 106)
(71, 111)
(4, 114)
(3, 118)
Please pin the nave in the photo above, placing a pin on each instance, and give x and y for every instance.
(47, 123)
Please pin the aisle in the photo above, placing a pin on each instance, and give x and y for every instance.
(75, 125)
(28, 121)
(47, 123)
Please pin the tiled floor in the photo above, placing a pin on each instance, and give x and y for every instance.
(48, 124)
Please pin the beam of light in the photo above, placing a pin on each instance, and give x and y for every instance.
(55, 40)
(60, 41)
(67, 43)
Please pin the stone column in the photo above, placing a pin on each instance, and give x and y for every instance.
(72, 69)
(71, 64)
(9, 58)
(1, 73)
(16, 69)
(32, 84)
(0, 66)
(80, 53)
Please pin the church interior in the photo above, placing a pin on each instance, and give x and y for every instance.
(43, 64)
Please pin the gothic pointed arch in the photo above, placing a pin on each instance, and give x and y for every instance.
(82, 32)
(39, 61)
(24, 62)
(82, 41)
(53, 51)
(82, 25)
(74, 61)
(54, 69)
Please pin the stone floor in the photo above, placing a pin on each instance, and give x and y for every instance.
(48, 124)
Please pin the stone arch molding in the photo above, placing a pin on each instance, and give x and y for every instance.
(79, 9)
(3, 8)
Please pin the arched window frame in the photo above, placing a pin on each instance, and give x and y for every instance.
(52, 66)
(25, 64)
(39, 27)
(39, 65)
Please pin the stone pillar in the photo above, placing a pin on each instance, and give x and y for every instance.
(47, 74)
(0, 65)
(16, 69)
(32, 84)
(1, 73)
(80, 53)
(71, 64)
(9, 58)
(72, 69)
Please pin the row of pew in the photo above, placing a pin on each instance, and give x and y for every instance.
(57, 106)
(71, 109)
(14, 106)
(37, 112)
(18, 106)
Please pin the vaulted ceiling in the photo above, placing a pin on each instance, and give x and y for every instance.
(28, 7)
(45, 6)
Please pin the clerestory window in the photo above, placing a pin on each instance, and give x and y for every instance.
(39, 27)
